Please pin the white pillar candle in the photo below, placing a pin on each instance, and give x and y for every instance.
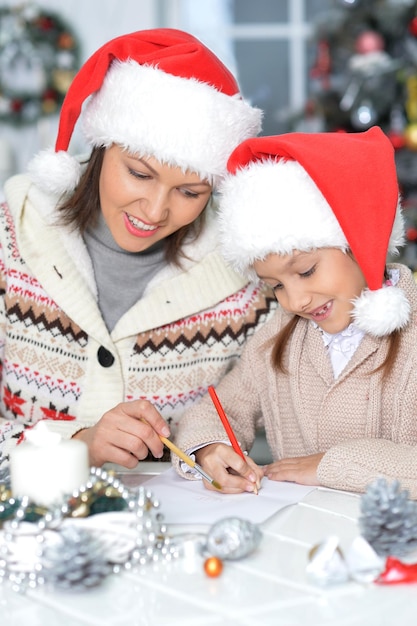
(46, 467)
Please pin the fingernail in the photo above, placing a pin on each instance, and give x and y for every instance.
(250, 488)
(252, 478)
(165, 431)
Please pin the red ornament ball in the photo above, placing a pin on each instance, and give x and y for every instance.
(411, 234)
(213, 566)
(397, 139)
(369, 41)
(412, 27)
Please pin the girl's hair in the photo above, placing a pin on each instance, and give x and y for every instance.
(284, 335)
(81, 210)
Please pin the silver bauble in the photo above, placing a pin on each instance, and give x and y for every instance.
(233, 538)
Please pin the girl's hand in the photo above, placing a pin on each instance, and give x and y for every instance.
(234, 474)
(125, 435)
(301, 469)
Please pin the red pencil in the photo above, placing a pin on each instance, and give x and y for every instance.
(225, 422)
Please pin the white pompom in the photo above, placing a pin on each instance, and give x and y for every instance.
(381, 312)
(55, 172)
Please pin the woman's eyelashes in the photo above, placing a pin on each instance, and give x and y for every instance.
(139, 175)
(145, 176)
(189, 194)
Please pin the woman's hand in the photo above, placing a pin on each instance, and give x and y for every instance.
(301, 469)
(125, 435)
(234, 474)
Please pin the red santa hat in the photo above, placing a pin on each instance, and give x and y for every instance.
(306, 191)
(158, 93)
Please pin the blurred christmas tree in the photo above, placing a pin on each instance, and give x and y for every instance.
(364, 73)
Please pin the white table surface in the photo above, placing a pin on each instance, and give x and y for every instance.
(269, 587)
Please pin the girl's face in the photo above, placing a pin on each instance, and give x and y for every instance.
(144, 201)
(318, 285)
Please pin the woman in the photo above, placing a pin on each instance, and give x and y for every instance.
(115, 301)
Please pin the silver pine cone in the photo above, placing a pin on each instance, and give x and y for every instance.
(388, 518)
(74, 560)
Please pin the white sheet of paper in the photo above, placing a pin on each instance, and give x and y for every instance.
(189, 502)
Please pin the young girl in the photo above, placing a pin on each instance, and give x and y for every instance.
(333, 376)
(115, 301)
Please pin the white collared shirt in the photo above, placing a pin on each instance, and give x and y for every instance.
(342, 346)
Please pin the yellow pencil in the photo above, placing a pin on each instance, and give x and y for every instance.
(189, 461)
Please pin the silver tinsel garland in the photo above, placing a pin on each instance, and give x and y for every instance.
(65, 547)
(100, 528)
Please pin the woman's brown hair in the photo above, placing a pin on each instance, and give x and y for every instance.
(81, 210)
(284, 335)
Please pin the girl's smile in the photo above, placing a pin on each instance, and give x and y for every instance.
(319, 285)
(321, 313)
(143, 201)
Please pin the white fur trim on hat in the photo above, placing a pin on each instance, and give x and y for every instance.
(179, 121)
(275, 207)
(253, 225)
(382, 311)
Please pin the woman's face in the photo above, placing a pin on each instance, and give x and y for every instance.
(318, 285)
(144, 201)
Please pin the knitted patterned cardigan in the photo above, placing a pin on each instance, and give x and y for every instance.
(366, 426)
(58, 360)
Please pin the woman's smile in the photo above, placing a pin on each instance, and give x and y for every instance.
(138, 228)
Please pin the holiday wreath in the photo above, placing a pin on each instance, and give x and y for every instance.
(39, 57)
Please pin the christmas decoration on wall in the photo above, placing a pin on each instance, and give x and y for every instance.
(39, 57)
(364, 73)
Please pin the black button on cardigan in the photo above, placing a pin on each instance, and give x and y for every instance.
(105, 358)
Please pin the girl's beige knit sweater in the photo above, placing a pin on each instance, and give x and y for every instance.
(366, 426)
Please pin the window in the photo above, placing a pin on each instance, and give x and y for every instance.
(268, 44)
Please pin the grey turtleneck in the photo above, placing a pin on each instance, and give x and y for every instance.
(121, 276)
